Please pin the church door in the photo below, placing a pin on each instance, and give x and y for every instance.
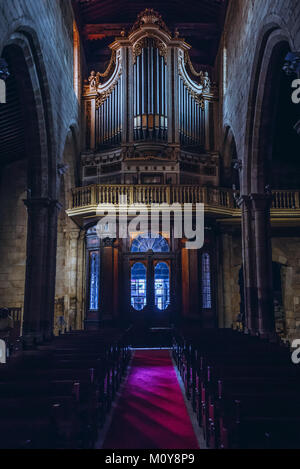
(150, 265)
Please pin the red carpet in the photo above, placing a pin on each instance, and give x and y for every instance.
(151, 413)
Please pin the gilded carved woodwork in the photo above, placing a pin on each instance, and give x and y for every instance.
(143, 43)
(131, 107)
(150, 17)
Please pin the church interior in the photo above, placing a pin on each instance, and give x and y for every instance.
(138, 340)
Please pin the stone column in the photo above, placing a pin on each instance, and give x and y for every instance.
(81, 281)
(72, 274)
(36, 283)
(226, 267)
(248, 247)
(263, 253)
(47, 317)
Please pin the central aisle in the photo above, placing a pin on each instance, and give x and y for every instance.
(151, 412)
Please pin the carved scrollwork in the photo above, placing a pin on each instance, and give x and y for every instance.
(143, 43)
(198, 97)
(101, 97)
(95, 78)
(150, 16)
(203, 78)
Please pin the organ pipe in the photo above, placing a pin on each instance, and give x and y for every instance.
(191, 117)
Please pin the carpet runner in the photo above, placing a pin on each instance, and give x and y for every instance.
(151, 412)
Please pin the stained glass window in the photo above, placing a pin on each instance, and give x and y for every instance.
(94, 279)
(138, 286)
(155, 243)
(206, 281)
(162, 286)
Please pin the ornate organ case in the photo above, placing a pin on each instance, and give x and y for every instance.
(148, 116)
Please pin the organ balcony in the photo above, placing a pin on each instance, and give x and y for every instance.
(86, 202)
(149, 132)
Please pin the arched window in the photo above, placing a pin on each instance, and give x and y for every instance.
(206, 282)
(138, 286)
(150, 242)
(94, 279)
(162, 286)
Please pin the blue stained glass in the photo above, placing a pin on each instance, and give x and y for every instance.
(162, 286)
(94, 279)
(206, 282)
(138, 286)
(155, 243)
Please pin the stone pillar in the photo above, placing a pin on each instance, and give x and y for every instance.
(38, 267)
(81, 281)
(227, 275)
(261, 204)
(72, 274)
(248, 247)
(47, 317)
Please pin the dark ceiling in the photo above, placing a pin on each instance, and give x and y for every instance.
(200, 22)
(12, 129)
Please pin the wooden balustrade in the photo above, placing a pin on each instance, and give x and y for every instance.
(159, 194)
(147, 194)
(286, 200)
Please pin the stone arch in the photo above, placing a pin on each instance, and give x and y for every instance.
(270, 41)
(24, 55)
(40, 142)
(273, 43)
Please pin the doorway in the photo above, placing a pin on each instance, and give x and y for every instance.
(150, 280)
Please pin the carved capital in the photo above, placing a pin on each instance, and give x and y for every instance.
(35, 204)
(74, 234)
(261, 202)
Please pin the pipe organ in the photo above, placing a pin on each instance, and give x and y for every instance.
(150, 92)
(148, 115)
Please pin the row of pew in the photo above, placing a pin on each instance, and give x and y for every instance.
(58, 396)
(244, 390)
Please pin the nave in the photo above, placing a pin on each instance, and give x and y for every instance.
(151, 412)
(90, 390)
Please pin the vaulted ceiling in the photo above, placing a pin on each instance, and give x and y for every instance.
(200, 22)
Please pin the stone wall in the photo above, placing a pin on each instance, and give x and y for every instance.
(13, 233)
(286, 251)
(230, 263)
